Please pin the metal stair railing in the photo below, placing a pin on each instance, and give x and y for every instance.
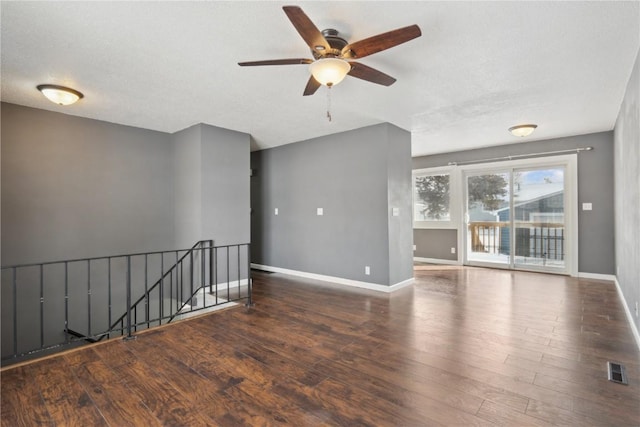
(41, 301)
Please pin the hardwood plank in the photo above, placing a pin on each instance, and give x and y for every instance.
(505, 416)
(114, 398)
(19, 391)
(66, 400)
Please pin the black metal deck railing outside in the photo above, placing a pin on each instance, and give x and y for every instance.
(50, 306)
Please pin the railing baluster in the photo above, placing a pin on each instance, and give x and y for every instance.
(66, 300)
(15, 311)
(191, 280)
(211, 266)
(239, 293)
(129, 297)
(146, 288)
(249, 281)
(89, 297)
(160, 292)
(202, 277)
(215, 277)
(109, 295)
(171, 291)
(228, 296)
(41, 306)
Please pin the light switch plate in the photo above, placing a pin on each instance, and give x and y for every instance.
(320, 212)
(395, 211)
(275, 211)
(587, 206)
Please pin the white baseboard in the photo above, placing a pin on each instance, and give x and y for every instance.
(338, 280)
(632, 323)
(597, 276)
(437, 261)
(223, 286)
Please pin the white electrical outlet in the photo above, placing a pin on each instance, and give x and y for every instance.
(367, 270)
(275, 211)
(319, 211)
(453, 250)
(415, 248)
(636, 308)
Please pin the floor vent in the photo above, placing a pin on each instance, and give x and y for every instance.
(617, 373)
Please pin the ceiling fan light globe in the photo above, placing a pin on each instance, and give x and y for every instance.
(329, 71)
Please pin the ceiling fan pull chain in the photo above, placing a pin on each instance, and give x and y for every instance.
(329, 103)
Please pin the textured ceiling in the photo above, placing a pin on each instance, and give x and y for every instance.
(479, 67)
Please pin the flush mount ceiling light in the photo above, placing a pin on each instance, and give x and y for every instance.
(329, 71)
(522, 130)
(59, 94)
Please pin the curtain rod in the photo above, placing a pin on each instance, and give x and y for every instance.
(518, 156)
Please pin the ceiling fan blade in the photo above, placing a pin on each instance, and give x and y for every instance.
(369, 74)
(292, 61)
(307, 29)
(312, 86)
(383, 41)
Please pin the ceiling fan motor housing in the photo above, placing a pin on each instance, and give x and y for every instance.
(335, 41)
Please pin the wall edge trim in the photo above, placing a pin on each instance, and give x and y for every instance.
(337, 280)
(437, 261)
(596, 276)
(634, 328)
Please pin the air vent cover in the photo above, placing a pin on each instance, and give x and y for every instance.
(617, 373)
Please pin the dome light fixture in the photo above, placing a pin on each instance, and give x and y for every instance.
(60, 95)
(522, 130)
(329, 71)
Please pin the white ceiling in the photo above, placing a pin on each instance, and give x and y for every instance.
(479, 67)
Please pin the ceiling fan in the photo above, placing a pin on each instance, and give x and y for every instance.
(333, 55)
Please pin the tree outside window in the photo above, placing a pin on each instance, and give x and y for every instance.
(433, 198)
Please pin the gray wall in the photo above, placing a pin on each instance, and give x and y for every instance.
(187, 186)
(211, 185)
(435, 243)
(595, 185)
(75, 187)
(346, 174)
(224, 189)
(399, 196)
(627, 193)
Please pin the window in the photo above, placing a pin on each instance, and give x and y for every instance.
(432, 196)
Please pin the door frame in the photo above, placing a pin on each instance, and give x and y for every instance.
(570, 163)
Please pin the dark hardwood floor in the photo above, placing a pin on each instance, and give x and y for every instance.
(463, 346)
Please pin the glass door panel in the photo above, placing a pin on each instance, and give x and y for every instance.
(488, 221)
(539, 218)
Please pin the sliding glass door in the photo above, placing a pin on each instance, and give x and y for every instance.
(488, 195)
(538, 218)
(515, 218)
